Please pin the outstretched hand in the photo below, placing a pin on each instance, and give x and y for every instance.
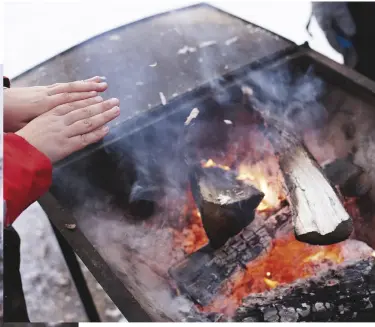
(71, 126)
(22, 105)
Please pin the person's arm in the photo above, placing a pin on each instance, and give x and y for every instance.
(27, 176)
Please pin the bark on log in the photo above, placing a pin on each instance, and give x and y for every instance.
(226, 205)
(201, 274)
(346, 294)
(319, 216)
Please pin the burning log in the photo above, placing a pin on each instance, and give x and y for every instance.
(337, 295)
(319, 215)
(202, 273)
(226, 204)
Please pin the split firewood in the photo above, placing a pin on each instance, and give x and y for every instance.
(201, 274)
(319, 216)
(226, 204)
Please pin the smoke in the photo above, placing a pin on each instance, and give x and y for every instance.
(290, 99)
(152, 165)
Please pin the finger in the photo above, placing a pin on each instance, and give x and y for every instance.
(344, 19)
(79, 142)
(78, 86)
(65, 98)
(96, 79)
(90, 111)
(90, 124)
(66, 108)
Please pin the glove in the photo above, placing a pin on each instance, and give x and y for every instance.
(338, 26)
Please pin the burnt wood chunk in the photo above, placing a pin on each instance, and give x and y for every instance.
(349, 177)
(344, 294)
(319, 216)
(226, 204)
(201, 274)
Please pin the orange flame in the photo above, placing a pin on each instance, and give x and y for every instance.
(193, 236)
(287, 261)
(257, 175)
(210, 163)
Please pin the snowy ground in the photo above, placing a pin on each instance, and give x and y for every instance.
(37, 30)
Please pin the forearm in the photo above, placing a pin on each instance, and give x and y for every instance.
(27, 176)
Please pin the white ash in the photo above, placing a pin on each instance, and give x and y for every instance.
(193, 114)
(205, 44)
(247, 90)
(228, 122)
(224, 199)
(186, 49)
(231, 40)
(162, 98)
(154, 64)
(354, 250)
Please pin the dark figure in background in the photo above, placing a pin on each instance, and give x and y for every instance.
(350, 30)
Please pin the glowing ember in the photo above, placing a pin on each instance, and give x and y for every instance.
(287, 261)
(210, 163)
(373, 254)
(270, 283)
(193, 236)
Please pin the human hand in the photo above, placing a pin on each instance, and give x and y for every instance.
(70, 127)
(23, 104)
(335, 20)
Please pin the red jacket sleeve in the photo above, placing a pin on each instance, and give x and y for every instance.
(27, 175)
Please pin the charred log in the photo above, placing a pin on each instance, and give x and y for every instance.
(226, 204)
(142, 199)
(346, 294)
(348, 177)
(202, 273)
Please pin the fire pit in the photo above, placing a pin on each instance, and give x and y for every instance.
(186, 211)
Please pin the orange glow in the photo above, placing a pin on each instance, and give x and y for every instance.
(210, 163)
(193, 236)
(258, 174)
(266, 180)
(287, 261)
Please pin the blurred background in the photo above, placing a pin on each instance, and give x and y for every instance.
(38, 30)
